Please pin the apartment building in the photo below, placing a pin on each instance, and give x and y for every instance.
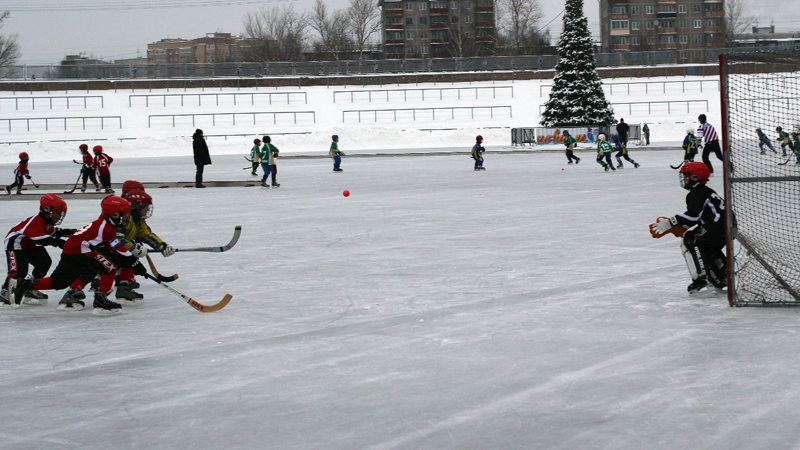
(688, 26)
(437, 29)
(212, 48)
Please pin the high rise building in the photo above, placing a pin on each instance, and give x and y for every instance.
(436, 29)
(688, 26)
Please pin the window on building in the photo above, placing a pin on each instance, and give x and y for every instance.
(634, 40)
(619, 40)
(634, 25)
(666, 23)
(410, 36)
(651, 40)
(698, 39)
(649, 10)
(394, 35)
(668, 39)
(619, 24)
(453, 19)
(634, 10)
(423, 35)
(468, 18)
(467, 4)
(684, 39)
(619, 10)
(453, 5)
(422, 6)
(424, 49)
(648, 25)
(468, 34)
(713, 7)
(681, 24)
(439, 5)
(409, 21)
(409, 6)
(392, 5)
(682, 9)
(696, 8)
(684, 54)
(666, 8)
(712, 22)
(698, 54)
(423, 20)
(410, 50)
(698, 24)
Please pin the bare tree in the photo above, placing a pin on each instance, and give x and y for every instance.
(332, 30)
(735, 21)
(461, 41)
(519, 25)
(280, 34)
(364, 21)
(9, 48)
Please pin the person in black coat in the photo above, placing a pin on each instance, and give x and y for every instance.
(622, 132)
(201, 157)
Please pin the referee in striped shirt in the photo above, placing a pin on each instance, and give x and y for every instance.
(708, 137)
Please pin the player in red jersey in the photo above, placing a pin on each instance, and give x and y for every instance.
(101, 164)
(24, 246)
(87, 172)
(93, 249)
(20, 173)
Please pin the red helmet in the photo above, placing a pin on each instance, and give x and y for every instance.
(83, 148)
(130, 185)
(53, 208)
(257, 141)
(97, 149)
(693, 174)
(23, 155)
(479, 138)
(141, 202)
(115, 209)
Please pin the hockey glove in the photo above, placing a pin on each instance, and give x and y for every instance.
(139, 251)
(166, 250)
(62, 232)
(28, 177)
(664, 225)
(139, 269)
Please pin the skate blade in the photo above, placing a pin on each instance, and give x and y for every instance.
(34, 301)
(130, 302)
(101, 312)
(69, 308)
(8, 306)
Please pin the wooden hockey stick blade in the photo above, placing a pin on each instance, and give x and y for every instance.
(194, 304)
(76, 162)
(678, 166)
(158, 275)
(236, 233)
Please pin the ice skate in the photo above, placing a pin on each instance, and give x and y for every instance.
(636, 165)
(8, 190)
(127, 296)
(94, 284)
(72, 301)
(275, 185)
(697, 286)
(35, 298)
(605, 167)
(577, 160)
(109, 190)
(16, 289)
(5, 303)
(569, 162)
(620, 166)
(103, 306)
(97, 188)
(83, 189)
(264, 184)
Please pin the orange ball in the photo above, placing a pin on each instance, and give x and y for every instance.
(346, 193)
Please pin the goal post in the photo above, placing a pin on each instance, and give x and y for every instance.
(761, 91)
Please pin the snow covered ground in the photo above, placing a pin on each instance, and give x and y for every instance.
(148, 128)
(521, 307)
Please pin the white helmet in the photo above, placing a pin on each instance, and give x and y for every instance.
(601, 137)
(690, 131)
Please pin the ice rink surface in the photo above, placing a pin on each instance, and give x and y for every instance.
(524, 307)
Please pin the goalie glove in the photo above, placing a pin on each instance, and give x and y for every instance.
(166, 250)
(664, 225)
(139, 251)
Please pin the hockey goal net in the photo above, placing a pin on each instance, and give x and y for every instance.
(761, 91)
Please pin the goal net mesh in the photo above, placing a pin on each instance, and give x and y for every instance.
(762, 92)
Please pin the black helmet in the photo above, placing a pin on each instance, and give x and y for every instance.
(266, 139)
(702, 118)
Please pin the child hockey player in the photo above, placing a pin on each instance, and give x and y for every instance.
(20, 173)
(24, 246)
(796, 138)
(570, 143)
(477, 152)
(101, 164)
(764, 140)
(254, 152)
(604, 151)
(690, 144)
(622, 151)
(336, 154)
(87, 172)
(704, 225)
(94, 249)
(783, 138)
(267, 155)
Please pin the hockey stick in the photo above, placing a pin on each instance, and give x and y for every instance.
(76, 184)
(76, 162)
(200, 307)
(33, 182)
(787, 160)
(678, 166)
(236, 232)
(168, 279)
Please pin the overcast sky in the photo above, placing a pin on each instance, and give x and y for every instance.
(115, 29)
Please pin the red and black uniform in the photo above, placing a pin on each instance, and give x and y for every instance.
(87, 170)
(101, 165)
(94, 249)
(20, 173)
(24, 246)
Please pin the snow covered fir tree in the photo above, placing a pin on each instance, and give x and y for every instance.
(577, 96)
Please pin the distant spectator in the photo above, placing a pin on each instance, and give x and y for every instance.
(622, 132)
(590, 135)
(201, 156)
(646, 131)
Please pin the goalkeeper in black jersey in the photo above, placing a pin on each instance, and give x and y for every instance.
(702, 227)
